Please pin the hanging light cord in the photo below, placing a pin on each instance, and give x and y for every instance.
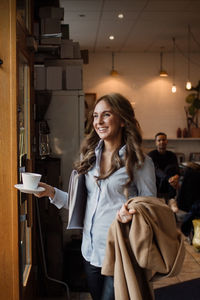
(185, 55)
(161, 59)
(189, 52)
(174, 48)
(194, 38)
(113, 60)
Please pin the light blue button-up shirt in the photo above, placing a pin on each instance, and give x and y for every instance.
(105, 199)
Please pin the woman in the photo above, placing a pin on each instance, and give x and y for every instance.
(115, 169)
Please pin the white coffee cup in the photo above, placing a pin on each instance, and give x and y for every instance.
(30, 180)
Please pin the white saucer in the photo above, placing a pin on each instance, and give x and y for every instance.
(28, 191)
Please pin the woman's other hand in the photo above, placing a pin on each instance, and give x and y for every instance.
(124, 215)
(48, 192)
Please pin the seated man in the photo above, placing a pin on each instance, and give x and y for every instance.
(167, 170)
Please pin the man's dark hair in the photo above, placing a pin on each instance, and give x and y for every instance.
(160, 133)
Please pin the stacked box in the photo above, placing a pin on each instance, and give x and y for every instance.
(74, 77)
(51, 12)
(54, 78)
(85, 56)
(66, 49)
(76, 50)
(51, 41)
(65, 31)
(50, 26)
(72, 72)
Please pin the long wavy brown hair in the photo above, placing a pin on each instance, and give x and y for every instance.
(131, 137)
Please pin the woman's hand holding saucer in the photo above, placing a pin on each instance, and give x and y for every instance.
(48, 192)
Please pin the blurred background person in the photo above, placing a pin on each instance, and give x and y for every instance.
(167, 170)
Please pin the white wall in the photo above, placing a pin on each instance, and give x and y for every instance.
(156, 107)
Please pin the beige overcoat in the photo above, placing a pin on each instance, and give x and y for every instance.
(143, 250)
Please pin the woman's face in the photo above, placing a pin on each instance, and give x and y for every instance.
(107, 124)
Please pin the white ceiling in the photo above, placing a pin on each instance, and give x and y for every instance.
(147, 25)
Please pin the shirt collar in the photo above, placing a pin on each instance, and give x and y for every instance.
(98, 152)
(122, 151)
(98, 149)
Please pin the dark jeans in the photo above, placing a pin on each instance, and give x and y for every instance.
(101, 287)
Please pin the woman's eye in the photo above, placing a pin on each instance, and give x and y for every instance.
(107, 114)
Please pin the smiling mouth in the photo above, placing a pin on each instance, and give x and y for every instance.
(101, 130)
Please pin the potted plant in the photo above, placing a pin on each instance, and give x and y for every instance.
(192, 111)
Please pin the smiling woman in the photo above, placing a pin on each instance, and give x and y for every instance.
(115, 169)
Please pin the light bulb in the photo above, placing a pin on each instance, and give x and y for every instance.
(173, 88)
(120, 16)
(188, 85)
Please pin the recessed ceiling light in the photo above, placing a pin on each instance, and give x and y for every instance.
(120, 16)
(111, 37)
(82, 15)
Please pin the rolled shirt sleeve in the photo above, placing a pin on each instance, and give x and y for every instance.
(60, 199)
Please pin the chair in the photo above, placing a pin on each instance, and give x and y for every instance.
(188, 198)
(180, 157)
(194, 156)
(189, 191)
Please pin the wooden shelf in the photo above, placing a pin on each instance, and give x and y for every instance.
(175, 139)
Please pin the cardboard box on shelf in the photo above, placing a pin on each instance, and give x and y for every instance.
(74, 77)
(66, 49)
(50, 26)
(65, 31)
(63, 62)
(76, 50)
(50, 41)
(69, 78)
(85, 56)
(54, 78)
(51, 12)
(39, 77)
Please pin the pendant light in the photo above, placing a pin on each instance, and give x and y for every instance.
(173, 84)
(162, 73)
(113, 72)
(188, 85)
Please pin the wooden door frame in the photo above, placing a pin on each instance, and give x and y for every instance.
(9, 250)
(26, 292)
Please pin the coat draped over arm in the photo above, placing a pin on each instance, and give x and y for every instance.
(141, 251)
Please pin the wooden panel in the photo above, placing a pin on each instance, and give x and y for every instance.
(9, 264)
